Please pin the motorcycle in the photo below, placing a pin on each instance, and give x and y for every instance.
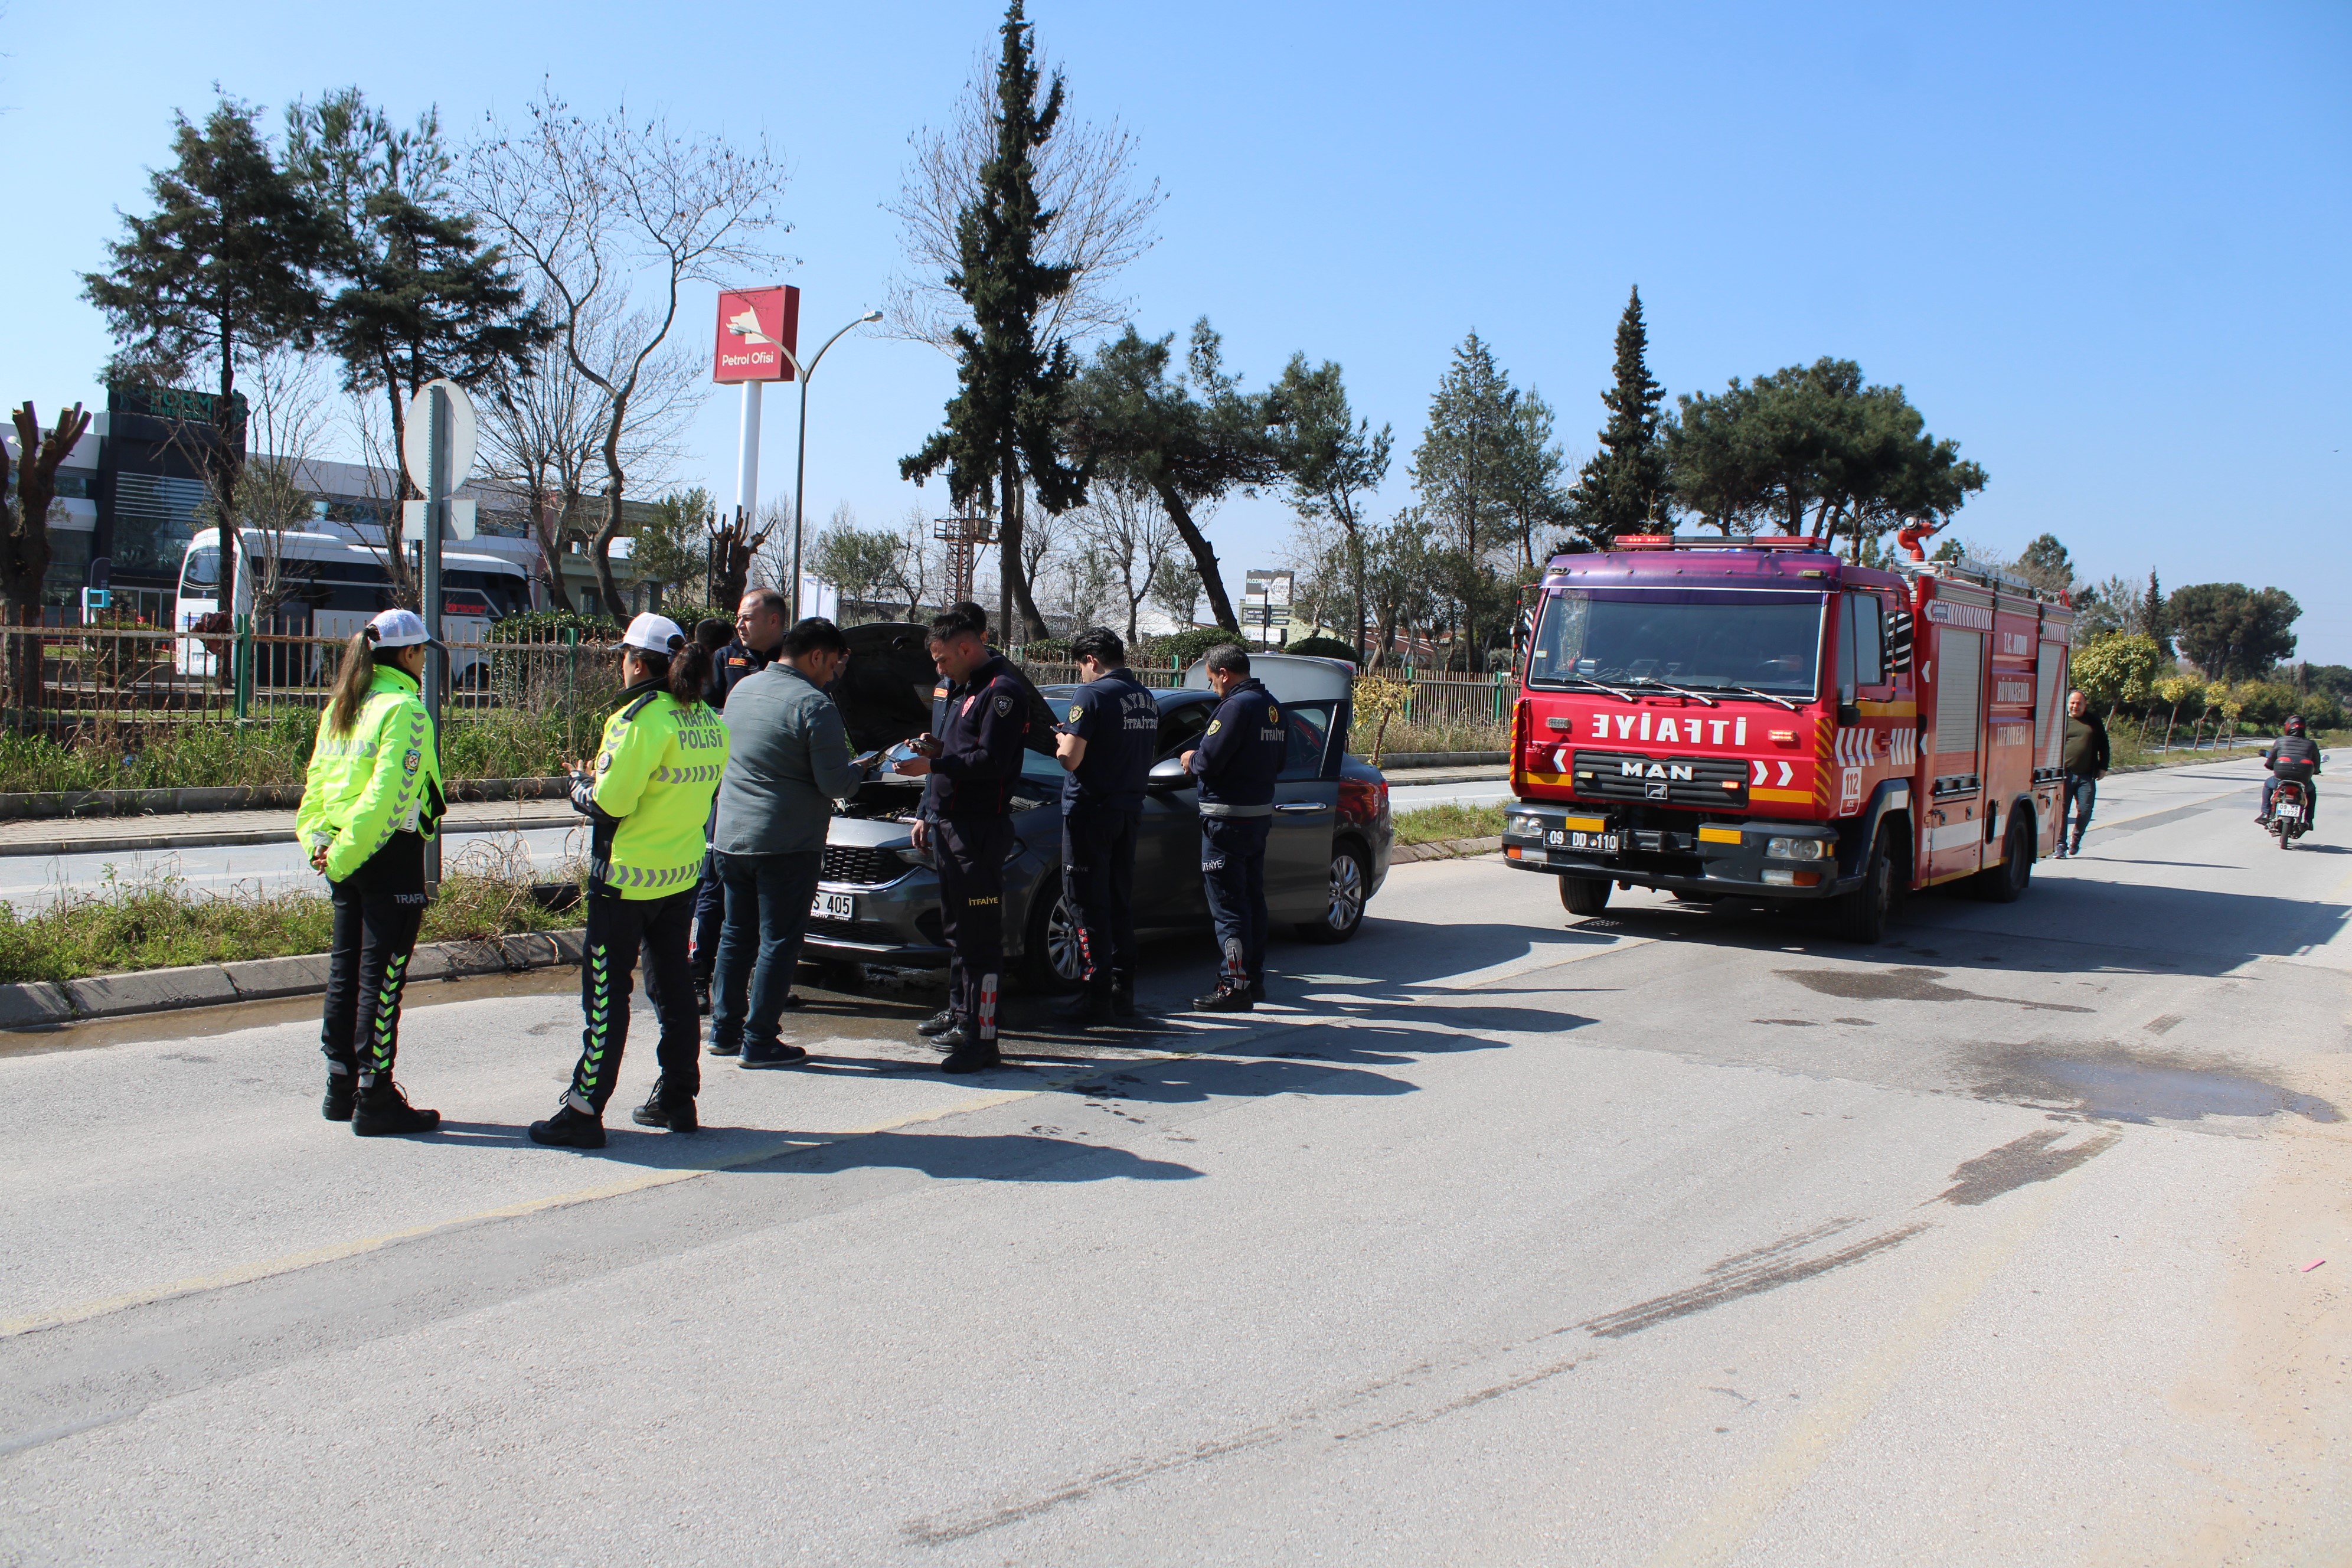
(2290, 814)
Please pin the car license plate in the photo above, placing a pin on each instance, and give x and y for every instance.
(1597, 843)
(833, 906)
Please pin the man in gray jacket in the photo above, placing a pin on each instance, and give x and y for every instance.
(788, 761)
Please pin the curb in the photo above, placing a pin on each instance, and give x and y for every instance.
(1445, 849)
(239, 797)
(129, 843)
(1417, 760)
(42, 1003)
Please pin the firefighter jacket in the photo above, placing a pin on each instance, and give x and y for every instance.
(382, 777)
(981, 739)
(1241, 753)
(657, 770)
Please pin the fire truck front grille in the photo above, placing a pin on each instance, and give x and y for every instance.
(1700, 782)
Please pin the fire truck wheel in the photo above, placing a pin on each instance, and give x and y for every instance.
(1862, 915)
(2003, 884)
(1584, 895)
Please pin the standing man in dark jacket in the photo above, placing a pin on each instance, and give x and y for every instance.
(1105, 742)
(759, 633)
(2294, 755)
(973, 761)
(2085, 759)
(787, 763)
(1239, 756)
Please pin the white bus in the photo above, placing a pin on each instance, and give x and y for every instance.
(335, 583)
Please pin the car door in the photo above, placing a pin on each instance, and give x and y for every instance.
(1168, 892)
(1306, 809)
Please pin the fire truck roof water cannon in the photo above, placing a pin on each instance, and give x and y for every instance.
(1757, 720)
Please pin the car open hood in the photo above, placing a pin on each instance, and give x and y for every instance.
(1290, 677)
(884, 691)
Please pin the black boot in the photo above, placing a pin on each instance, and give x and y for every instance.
(569, 1127)
(1122, 999)
(1087, 1008)
(1257, 990)
(1225, 998)
(702, 994)
(939, 1023)
(674, 1112)
(383, 1112)
(341, 1089)
(967, 1052)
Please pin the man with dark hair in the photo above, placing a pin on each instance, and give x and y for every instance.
(790, 761)
(759, 621)
(1105, 744)
(1239, 755)
(974, 759)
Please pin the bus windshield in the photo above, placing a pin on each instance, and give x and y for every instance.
(1763, 641)
(201, 576)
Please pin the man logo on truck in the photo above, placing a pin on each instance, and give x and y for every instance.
(1634, 769)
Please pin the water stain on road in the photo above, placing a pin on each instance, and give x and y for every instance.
(2020, 1163)
(2108, 1083)
(1905, 984)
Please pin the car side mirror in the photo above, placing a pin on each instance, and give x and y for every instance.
(1167, 775)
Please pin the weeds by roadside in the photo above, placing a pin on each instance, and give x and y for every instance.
(1432, 824)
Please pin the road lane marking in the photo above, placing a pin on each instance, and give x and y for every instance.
(244, 1274)
(1747, 1501)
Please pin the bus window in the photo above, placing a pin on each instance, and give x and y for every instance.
(200, 576)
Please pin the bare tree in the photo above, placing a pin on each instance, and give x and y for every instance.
(286, 428)
(916, 563)
(590, 204)
(369, 428)
(543, 429)
(1087, 179)
(1132, 537)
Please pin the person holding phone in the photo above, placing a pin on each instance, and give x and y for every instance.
(371, 799)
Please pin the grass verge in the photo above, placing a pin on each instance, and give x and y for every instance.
(159, 922)
(1433, 823)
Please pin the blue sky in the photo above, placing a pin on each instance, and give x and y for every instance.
(2103, 247)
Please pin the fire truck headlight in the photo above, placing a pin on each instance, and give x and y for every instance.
(1528, 827)
(1797, 848)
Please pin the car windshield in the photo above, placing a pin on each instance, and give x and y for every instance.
(1762, 641)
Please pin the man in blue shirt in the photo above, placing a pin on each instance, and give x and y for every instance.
(1237, 761)
(1106, 741)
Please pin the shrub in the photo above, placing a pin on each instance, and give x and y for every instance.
(1324, 647)
(1183, 649)
(2118, 670)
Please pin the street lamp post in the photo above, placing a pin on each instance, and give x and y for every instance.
(800, 469)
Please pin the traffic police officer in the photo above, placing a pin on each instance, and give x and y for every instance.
(370, 800)
(1237, 760)
(648, 800)
(974, 760)
(1105, 742)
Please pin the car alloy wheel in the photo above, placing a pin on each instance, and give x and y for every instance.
(1343, 911)
(1061, 944)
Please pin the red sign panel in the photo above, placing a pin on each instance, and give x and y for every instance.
(752, 323)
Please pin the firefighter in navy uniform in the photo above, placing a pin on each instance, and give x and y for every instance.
(1239, 756)
(1105, 742)
(974, 758)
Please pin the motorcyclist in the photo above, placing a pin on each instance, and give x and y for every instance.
(2294, 755)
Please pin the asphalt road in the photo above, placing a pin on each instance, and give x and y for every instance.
(1670, 1237)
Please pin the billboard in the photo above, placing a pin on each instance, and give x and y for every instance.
(752, 323)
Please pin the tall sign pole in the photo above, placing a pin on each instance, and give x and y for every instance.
(758, 329)
(437, 450)
(747, 457)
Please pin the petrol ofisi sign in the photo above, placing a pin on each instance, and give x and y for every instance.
(752, 325)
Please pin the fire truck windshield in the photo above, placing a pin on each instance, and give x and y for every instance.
(1715, 641)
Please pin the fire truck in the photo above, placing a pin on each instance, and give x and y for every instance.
(1757, 720)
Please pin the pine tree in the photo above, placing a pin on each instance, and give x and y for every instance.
(1463, 470)
(225, 268)
(2158, 625)
(1622, 489)
(1001, 432)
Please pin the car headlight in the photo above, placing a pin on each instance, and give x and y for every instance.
(1797, 848)
(914, 857)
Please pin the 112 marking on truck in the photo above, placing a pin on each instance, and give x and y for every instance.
(1758, 720)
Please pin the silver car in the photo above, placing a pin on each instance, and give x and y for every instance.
(878, 901)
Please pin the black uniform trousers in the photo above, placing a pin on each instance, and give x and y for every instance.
(1233, 866)
(970, 855)
(617, 929)
(1098, 885)
(378, 910)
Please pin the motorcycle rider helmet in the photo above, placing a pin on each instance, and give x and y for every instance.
(2293, 725)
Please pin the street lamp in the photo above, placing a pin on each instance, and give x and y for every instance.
(799, 468)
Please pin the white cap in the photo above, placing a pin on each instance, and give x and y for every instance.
(400, 629)
(654, 634)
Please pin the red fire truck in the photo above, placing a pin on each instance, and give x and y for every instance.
(1755, 719)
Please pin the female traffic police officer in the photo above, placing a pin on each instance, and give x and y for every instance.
(648, 799)
(371, 799)
(974, 759)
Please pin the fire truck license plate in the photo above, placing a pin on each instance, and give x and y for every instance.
(833, 906)
(1598, 843)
